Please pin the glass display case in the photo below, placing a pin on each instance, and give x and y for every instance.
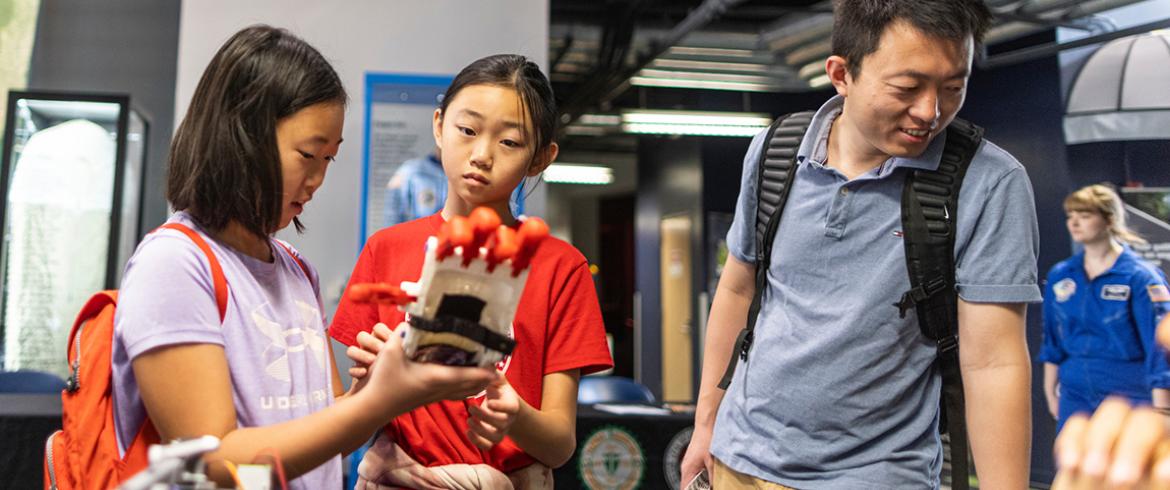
(71, 184)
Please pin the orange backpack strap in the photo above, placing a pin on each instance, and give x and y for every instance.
(95, 305)
(296, 259)
(217, 277)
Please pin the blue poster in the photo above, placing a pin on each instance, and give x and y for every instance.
(401, 179)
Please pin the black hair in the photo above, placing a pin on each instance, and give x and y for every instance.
(224, 163)
(858, 24)
(524, 76)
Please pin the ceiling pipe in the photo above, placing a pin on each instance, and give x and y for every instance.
(566, 45)
(607, 84)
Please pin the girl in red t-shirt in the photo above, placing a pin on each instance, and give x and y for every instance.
(493, 128)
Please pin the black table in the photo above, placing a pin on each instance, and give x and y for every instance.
(626, 451)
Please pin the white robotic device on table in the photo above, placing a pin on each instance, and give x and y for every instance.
(460, 311)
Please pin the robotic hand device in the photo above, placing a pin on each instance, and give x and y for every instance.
(461, 309)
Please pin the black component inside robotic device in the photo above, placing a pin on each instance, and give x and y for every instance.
(459, 314)
(462, 306)
(444, 354)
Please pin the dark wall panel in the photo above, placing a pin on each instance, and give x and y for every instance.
(1121, 162)
(116, 46)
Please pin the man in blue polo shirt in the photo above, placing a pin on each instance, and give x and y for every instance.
(838, 390)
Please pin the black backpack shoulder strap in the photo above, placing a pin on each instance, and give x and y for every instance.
(930, 201)
(776, 172)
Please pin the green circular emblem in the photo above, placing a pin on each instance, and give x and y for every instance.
(611, 459)
(672, 458)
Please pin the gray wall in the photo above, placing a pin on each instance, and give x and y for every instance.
(115, 46)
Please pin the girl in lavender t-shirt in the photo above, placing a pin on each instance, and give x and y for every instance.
(262, 126)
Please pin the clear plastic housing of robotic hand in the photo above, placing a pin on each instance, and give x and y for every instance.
(460, 311)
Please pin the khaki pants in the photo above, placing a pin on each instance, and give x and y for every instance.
(727, 478)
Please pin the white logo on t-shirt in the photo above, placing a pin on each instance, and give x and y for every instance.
(309, 338)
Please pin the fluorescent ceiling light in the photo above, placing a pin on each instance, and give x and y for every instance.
(594, 125)
(821, 81)
(702, 84)
(691, 129)
(575, 173)
(698, 75)
(709, 65)
(738, 53)
(811, 70)
(585, 130)
(696, 117)
(699, 123)
(600, 119)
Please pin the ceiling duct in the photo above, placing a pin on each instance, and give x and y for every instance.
(608, 81)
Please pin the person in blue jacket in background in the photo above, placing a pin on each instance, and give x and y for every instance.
(1101, 307)
(418, 189)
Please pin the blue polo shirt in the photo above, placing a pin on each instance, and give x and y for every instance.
(838, 391)
(1101, 331)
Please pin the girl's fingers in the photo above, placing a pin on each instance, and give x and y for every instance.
(360, 356)
(495, 419)
(478, 440)
(1135, 447)
(382, 332)
(369, 342)
(1104, 428)
(1160, 475)
(358, 372)
(1069, 446)
(487, 433)
(500, 406)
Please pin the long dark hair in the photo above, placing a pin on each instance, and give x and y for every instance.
(224, 163)
(522, 75)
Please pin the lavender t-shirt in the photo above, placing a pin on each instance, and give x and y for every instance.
(273, 332)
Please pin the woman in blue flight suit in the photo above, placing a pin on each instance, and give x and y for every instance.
(1101, 307)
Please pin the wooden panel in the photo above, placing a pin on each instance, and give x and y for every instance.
(676, 308)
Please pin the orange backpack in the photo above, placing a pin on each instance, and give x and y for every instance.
(84, 453)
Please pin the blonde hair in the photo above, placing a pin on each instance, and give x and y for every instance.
(1104, 201)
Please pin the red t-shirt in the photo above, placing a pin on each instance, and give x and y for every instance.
(557, 328)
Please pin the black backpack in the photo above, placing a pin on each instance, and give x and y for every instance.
(929, 200)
